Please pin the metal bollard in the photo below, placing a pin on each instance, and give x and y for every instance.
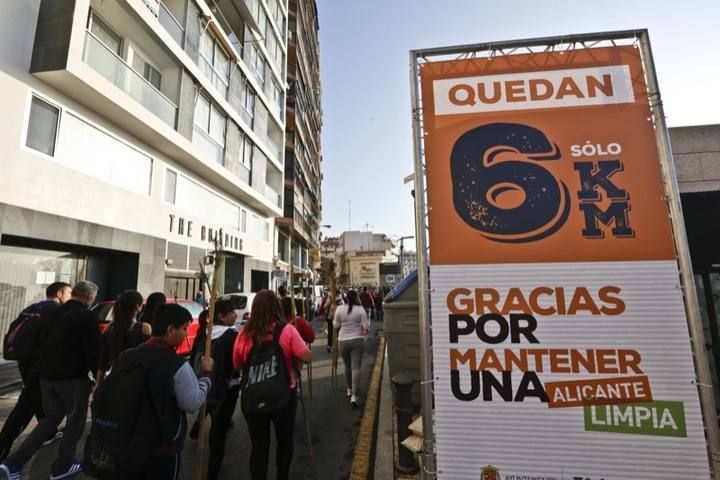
(404, 411)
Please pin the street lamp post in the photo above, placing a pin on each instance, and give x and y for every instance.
(400, 261)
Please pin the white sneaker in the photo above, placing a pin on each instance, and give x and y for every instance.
(349, 392)
(353, 401)
(58, 435)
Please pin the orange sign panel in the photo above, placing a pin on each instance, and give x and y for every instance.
(544, 157)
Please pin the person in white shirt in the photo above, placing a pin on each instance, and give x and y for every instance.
(352, 321)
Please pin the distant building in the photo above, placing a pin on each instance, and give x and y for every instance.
(303, 156)
(389, 274)
(358, 256)
(409, 263)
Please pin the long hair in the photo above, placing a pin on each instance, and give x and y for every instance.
(124, 311)
(266, 310)
(352, 300)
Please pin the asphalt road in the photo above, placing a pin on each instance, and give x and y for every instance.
(333, 427)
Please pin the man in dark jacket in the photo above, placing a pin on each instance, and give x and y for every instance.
(30, 400)
(70, 341)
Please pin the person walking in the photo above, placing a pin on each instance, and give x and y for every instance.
(173, 389)
(154, 300)
(123, 332)
(267, 328)
(29, 402)
(367, 303)
(378, 298)
(353, 324)
(224, 393)
(326, 311)
(303, 327)
(70, 344)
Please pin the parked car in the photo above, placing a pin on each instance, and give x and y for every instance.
(104, 313)
(242, 302)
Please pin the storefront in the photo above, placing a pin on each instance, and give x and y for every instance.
(28, 266)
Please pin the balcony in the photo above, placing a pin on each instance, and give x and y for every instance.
(171, 24)
(273, 196)
(113, 68)
(210, 147)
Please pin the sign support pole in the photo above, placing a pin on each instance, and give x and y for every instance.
(702, 367)
(426, 375)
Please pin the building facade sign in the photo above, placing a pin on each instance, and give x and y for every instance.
(560, 343)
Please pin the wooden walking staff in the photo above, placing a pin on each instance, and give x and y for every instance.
(201, 462)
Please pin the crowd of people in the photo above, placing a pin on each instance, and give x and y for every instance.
(131, 373)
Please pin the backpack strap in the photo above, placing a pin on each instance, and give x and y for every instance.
(277, 331)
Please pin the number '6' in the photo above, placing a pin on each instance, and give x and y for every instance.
(511, 197)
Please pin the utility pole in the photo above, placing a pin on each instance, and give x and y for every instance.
(401, 261)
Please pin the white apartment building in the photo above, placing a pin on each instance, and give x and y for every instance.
(135, 133)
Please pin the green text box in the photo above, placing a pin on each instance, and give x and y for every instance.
(661, 418)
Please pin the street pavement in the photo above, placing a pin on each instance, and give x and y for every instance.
(333, 426)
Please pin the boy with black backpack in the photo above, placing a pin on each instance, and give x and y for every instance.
(266, 351)
(138, 413)
(21, 344)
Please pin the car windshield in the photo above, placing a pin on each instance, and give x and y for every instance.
(192, 307)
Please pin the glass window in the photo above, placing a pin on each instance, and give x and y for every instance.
(42, 126)
(214, 62)
(170, 186)
(25, 274)
(266, 232)
(202, 113)
(243, 221)
(105, 34)
(217, 126)
(246, 152)
(248, 98)
(148, 72)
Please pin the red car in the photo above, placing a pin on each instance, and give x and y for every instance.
(104, 313)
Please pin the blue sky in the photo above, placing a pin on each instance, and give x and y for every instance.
(364, 45)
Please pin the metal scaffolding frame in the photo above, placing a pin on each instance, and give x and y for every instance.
(564, 43)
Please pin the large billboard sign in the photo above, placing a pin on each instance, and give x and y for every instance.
(560, 343)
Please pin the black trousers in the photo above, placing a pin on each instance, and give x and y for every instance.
(221, 418)
(259, 428)
(161, 467)
(329, 323)
(29, 404)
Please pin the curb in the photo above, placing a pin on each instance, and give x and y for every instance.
(365, 446)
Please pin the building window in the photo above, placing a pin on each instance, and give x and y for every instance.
(170, 186)
(147, 71)
(248, 98)
(257, 63)
(243, 221)
(214, 62)
(105, 34)
(42, 126)
(266, 232)
(246, 152)
(209, 130)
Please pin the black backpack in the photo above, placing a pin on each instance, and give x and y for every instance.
(125, 426)
(265, 383)
(20, 339)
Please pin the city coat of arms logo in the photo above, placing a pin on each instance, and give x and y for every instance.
(489, 473)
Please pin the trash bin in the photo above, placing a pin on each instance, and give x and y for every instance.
(402, 334)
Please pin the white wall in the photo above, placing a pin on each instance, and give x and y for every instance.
(32, 180)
